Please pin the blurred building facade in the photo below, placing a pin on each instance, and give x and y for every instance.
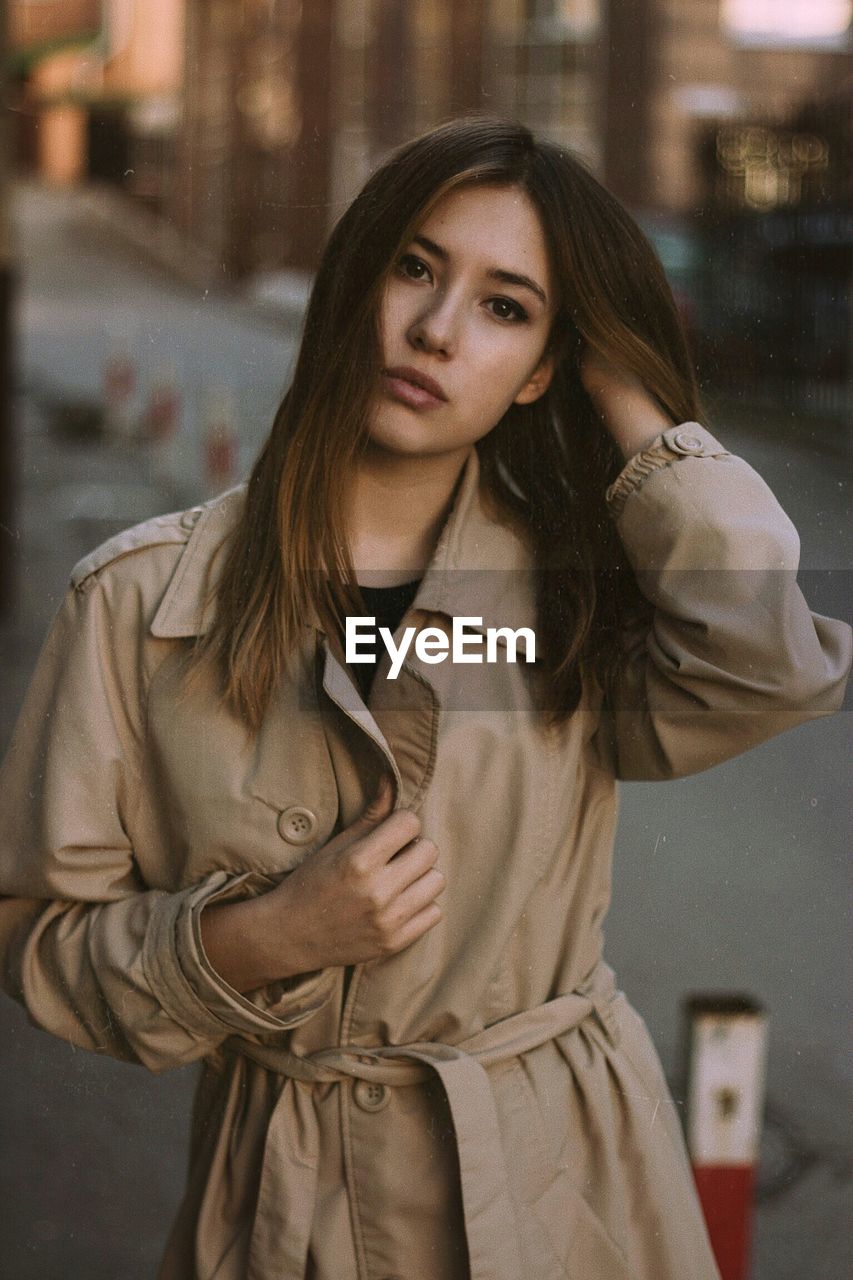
(251, 123)
(248, 125)
(288, 107)
(99, 87)
(691, 81)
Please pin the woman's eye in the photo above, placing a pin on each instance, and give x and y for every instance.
(507, 309)
(413, 267)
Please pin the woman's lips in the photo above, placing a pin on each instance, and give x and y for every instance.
(413, 388)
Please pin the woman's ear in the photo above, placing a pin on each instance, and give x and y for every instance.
(539, 381)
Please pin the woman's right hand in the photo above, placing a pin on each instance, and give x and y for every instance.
(370, 892)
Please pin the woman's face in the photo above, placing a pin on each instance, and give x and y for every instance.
(465, 320)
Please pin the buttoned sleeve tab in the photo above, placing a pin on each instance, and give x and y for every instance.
(688, 440)
(692, 441)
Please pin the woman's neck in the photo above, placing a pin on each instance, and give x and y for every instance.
(398, 507)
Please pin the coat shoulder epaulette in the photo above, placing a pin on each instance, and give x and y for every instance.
(174, 528)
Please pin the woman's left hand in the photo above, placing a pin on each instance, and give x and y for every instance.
(627, 410)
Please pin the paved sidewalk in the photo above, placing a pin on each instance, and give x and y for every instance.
(87, 298)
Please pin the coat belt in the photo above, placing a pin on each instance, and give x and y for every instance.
(281, 1233)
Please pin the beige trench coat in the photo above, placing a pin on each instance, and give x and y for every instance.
(485, 1102)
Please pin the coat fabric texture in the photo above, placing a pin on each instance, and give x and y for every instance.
(486, 1102)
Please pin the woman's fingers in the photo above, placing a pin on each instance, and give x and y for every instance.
(412, 912)
(383, 887)
(370, 851)
(359, 897)
(409, 865)
(416, 896)
(415, 927)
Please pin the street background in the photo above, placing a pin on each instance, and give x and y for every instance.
(173, 173)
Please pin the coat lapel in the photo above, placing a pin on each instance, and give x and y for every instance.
(291, 764)
(480, 569)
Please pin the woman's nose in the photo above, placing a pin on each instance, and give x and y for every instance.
(434, 329)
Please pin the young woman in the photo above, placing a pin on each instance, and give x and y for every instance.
(370, 896)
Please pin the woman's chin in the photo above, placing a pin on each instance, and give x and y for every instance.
(403, 441)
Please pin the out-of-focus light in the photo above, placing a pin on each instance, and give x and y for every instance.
(716, 101)
(769, 164)
(814, 22)
(582, 15)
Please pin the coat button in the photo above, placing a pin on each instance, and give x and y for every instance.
(190, 519)
(686, 442)
(371, 1096)
(297, 825)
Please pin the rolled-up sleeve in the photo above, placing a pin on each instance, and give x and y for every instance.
(733, 653)
(97, 956)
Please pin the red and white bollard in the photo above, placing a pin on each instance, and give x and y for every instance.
(220, 441)
(727, 1049)
(119, 387)
(161, 422)
(163, 411)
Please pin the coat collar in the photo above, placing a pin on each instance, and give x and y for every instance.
(480, 568)
(188, 606)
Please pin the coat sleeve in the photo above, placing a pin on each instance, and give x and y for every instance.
(94, 954)
(733, 654)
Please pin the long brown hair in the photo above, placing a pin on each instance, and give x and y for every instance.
(545, 465)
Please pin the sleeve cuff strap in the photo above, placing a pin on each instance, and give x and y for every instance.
(689, 440)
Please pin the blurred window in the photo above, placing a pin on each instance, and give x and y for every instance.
(812, 23)
(559, 20)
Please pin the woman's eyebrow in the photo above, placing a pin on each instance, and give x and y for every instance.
(494, 273)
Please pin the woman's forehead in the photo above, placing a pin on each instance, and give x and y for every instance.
(489, 222)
